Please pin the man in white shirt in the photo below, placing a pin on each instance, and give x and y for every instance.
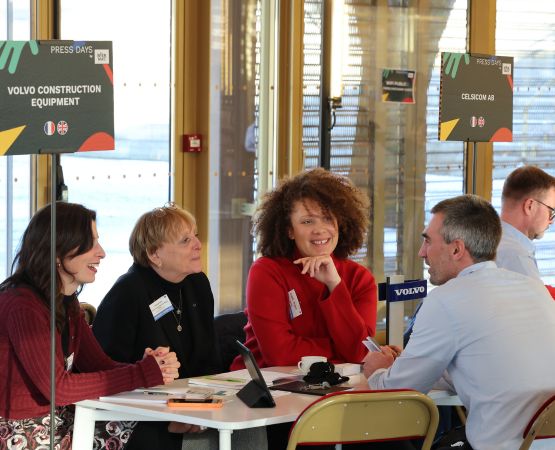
(527, 211)
(486, 332)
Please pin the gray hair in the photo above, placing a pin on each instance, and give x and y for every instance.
(472, 220)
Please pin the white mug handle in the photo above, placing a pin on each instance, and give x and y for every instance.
(299, 364)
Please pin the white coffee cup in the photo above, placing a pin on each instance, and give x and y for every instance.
(306, 361)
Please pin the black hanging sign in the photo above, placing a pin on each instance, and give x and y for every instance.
(476, 98)
(56, 96)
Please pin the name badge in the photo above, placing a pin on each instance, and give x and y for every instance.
(161, 307)
(69, 362)
(294, 305)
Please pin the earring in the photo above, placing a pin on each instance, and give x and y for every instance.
(58, 264)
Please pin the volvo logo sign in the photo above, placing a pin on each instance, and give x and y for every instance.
(409, 290)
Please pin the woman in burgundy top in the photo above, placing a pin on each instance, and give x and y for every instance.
(304, 297)
(82, 369)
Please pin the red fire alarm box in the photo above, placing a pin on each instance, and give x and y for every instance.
(192, 143)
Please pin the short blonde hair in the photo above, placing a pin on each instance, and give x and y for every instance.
(156, 227)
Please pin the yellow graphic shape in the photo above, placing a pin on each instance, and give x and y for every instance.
(446, 128)
(8, 137)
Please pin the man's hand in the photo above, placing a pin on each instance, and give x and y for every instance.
(380, 360)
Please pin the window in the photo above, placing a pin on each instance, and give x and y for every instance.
(15, 194)
(525, 31)
(122, 184)
(388, 149)
(234, 115)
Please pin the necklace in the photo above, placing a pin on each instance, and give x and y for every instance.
(177, 310)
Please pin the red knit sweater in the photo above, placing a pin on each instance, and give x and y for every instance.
(331, 325)
(25, 356)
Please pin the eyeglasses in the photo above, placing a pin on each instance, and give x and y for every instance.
(551, 210)
(161, 211)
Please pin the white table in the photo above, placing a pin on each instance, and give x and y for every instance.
(234, 415)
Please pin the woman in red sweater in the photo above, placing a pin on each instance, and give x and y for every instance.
(304, 297)
(82, 369)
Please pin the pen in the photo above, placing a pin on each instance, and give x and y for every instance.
(155, 393)
(229, 380)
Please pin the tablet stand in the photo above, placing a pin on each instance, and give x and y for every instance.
(254, 396)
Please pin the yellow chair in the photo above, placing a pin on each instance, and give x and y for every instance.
(542, 425)
(366, 416)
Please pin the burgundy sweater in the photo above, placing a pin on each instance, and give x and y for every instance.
(332, 325)
(25, 356)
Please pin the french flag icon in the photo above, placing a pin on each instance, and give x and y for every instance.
(49, 128)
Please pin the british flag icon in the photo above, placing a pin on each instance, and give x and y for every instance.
(62, 127)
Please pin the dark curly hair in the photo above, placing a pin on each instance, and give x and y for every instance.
(335, 194)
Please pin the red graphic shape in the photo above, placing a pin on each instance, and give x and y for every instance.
(109, 72)
(98, 141)
(502, 135)
(510, 80)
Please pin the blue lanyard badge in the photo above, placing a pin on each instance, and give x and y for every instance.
(161, 307)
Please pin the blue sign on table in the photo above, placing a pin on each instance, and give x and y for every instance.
(409, 290)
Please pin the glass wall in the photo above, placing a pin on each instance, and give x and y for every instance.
(312, 86)
(136, 177)
(234, 84)
(390, 149)
(15, 180)
(526, 31)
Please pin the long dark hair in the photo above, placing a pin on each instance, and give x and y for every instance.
(31, 266)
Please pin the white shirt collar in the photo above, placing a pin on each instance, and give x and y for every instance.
(519, 236)
(478, 266)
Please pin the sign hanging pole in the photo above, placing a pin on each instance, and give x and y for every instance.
(54, 158)
(54, 163)
(474, 156)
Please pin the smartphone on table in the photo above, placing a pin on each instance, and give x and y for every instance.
(195, 403)
(371, 344)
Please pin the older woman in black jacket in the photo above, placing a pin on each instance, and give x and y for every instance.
(164, 299)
